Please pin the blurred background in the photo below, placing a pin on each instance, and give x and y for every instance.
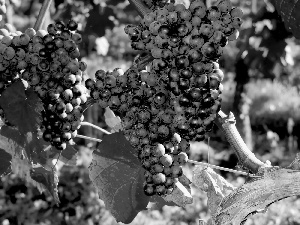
(261, 88)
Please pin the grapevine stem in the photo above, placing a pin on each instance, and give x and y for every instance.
(221, 168)
(88, 104)
(41, 17)
(94, 126)
(246, 158)
(89, 138)
(141, 8)
(47, 148)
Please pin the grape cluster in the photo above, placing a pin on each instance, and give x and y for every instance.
(48, 61)
(56, 75)
(144, 103)
(186, 45)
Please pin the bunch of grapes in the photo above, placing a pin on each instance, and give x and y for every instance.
(186, 45)
(48, 61)
(56, 74)
(143, 102)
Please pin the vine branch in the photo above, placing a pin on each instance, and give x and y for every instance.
(246, 158)
(41, 17)
(90, 101)
(89, 138)
(94, 126)
(140, 7)
(221, 168)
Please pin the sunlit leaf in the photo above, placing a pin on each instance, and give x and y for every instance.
(212, 183)
(112, 120)
(180, 196)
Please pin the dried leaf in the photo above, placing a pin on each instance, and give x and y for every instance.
(180, 196)
(212, 183)
(158, 202)
(112, 120)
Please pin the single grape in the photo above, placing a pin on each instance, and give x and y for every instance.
(160, 178)
(166, 160)
(149, 189)
(160, 190)
(157, 168)
(158, 150)
(182, 158)
(176, 171)
(236, 12)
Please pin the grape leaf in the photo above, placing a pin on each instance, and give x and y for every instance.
(13, 134)
(67, 156)
(21, 107)
(115, 146)
(112, 120)
(180, 196)
(11, 140)
(5, 162)
(16, 144)
(212, 183)
(120, 186)
(21, 167)
(34, 147)
(157, 203)
(48, 178)
(289, 11)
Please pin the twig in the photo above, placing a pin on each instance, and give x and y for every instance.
(47, 148)
(89, 138)
(221, 168)
(246, 158)
(140, 7)
(94, 126)
(88, 103)
(41, 17)
(56, 161)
